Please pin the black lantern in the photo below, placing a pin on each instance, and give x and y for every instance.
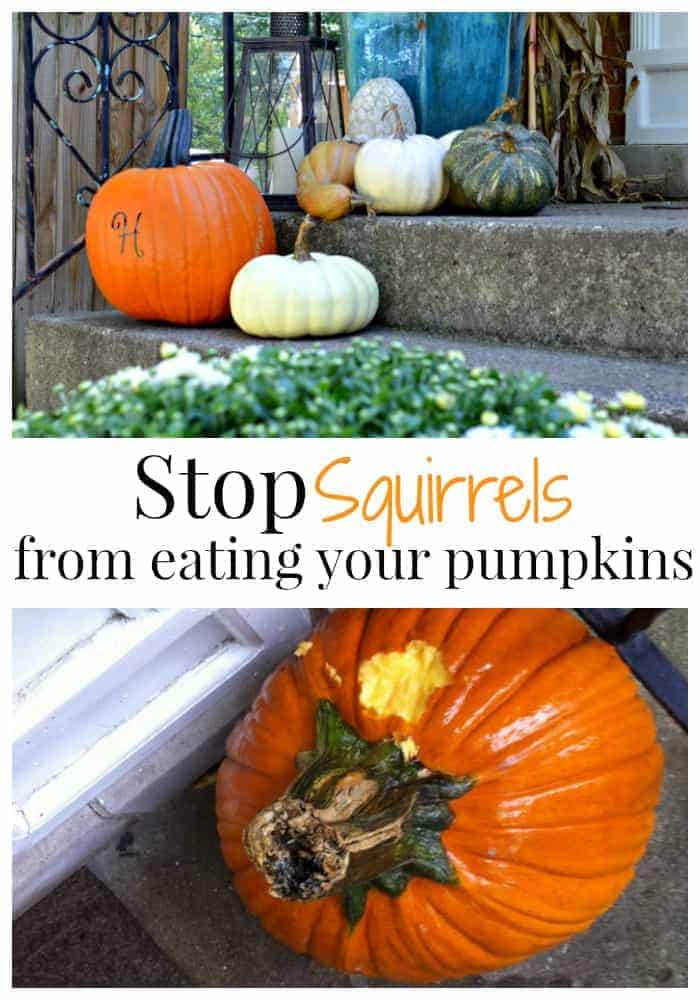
(287, 100)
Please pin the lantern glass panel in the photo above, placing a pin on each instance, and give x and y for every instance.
(272, 139)
(288, 99)
(327, 106)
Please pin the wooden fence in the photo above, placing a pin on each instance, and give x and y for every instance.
(60, 219)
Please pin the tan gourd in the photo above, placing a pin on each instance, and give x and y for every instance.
(325, 180)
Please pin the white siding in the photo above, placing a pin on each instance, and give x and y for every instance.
(98, 691)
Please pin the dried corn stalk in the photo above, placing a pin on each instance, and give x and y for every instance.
(572, 106)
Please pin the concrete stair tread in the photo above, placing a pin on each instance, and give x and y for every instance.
(640, 217)
(597, 280)
(608, 278)
(68, 349)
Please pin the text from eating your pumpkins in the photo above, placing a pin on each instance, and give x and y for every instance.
(267, 507)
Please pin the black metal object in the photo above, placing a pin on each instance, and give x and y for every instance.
(103, 43)
(624, 628)
(277, 73)
(229, 38)
(288, 25)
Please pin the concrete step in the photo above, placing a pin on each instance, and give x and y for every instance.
(68, 349)
(609, 278)
(662, 167)
(61, 942)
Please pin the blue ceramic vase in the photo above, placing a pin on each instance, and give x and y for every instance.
(456, 68)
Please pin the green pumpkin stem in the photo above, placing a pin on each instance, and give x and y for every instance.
(173, 146)
(359, 815)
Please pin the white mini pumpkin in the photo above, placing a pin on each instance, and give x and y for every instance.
(367, 119)
(449, 137)
(303, 293)
(402, 175)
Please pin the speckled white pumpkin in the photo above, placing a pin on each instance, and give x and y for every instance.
(303, 293)
(368, 110)
(402, 176)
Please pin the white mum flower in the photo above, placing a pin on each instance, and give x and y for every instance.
(249, 352)
(489, 418)
(445, 400)
(184, 363)
(647, 428)
(485, 433)
(632, 401)
(209, 376)
(580, 409)
(612, 429)
(132, 376)
(593, 430)
(189, 364)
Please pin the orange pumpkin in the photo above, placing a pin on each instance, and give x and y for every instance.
(325, 180)
(165, 242)
(428, 794)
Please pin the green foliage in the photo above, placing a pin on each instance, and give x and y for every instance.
(366, 389)
(205, 80)
(331, 27)
(205, 72)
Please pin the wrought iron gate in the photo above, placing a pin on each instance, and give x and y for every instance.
(103, 42)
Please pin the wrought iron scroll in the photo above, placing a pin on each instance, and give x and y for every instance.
(103, 42)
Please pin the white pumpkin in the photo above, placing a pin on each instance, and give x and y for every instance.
(402, 175)
(449, 137)
(368, 109)
(303, 293)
